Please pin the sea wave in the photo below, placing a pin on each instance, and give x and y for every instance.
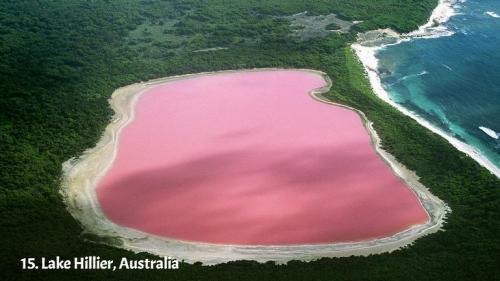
(490, 132)
(492, 14)
(410, 76)
(447, 67)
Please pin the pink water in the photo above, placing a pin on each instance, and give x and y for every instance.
(250, 158)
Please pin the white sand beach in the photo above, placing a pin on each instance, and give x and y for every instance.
(432, 29)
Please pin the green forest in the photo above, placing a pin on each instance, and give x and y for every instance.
(61, 60)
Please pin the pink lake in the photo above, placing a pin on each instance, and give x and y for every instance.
(250, 158)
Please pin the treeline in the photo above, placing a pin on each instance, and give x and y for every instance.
(61, 60)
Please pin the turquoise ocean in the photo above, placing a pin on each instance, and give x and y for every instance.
(453, 82)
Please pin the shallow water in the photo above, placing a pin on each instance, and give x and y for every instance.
(453, 82)
(250, 158)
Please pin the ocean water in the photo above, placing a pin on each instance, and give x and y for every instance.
(453, 81)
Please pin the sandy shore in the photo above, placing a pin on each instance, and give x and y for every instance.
(369, 44)
(81, 176)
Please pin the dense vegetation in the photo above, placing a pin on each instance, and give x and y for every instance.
(61, 60)
(333, 26)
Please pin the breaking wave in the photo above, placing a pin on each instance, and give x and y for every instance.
(492, 14)
(490, 132)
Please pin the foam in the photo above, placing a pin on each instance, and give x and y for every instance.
(447, 67)
(492, 14)
(441, 14)
(490, 132)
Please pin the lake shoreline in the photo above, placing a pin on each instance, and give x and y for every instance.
(81, 176)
